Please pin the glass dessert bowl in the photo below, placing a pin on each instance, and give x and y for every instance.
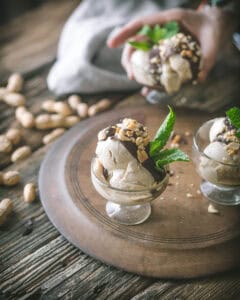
(126, 206)
(217, 161)
(130, 170)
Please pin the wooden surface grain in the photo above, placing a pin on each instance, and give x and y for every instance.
(36, 262)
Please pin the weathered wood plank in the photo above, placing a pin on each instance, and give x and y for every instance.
(36, 92)
(103, 282)
(219, 287)
(27, 43)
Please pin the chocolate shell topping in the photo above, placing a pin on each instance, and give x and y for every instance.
(129, 138)
(182, 44)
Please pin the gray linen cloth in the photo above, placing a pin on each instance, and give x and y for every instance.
(86, 65)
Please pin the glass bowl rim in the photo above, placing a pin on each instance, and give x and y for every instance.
(197, 147)
(166, 177)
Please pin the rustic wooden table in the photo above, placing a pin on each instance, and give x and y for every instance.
(37, 262)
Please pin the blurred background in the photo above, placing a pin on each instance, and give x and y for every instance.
(12, 8)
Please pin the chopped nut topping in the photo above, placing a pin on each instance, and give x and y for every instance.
(139, 141)
(122, 136)
(142, 155)
(186, 53)
(232, 148)
(129, 133)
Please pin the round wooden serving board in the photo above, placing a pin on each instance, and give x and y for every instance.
(180, 239)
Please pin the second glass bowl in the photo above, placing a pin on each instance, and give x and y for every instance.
(221, 181)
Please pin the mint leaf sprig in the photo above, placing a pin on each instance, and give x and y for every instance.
(154, 35)
(233, 115)
(161, 156)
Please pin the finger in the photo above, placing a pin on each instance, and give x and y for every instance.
(126, 56)
(145, 91)
(131, 28)
(209, 53)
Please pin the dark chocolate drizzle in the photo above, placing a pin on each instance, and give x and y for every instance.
(110, 131)
(228, 124)
(105, 173)
(147, 164)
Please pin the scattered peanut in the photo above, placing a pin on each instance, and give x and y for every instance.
(52, 136)
(5, 144)
(100, 106)
(29, 192)
(15, 82)
(6, 207)
(14, 135)
(14, 99)
(82, 110)
(47, 121)
(57, 107)
(24, 117)
(3, 92)
(21, 153)
(73, 101)
(104, 104)
(70, 121)
(9, 178)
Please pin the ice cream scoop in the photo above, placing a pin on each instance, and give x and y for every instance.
(169, 64)
(224, 144)
(221, 165)
(122, 150)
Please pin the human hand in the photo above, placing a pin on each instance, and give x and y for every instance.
(210, 27)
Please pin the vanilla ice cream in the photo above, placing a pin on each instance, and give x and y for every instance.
(169, 64)
(122, 154)
(222, 162)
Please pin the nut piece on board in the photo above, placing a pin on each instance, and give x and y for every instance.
(212, 209)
